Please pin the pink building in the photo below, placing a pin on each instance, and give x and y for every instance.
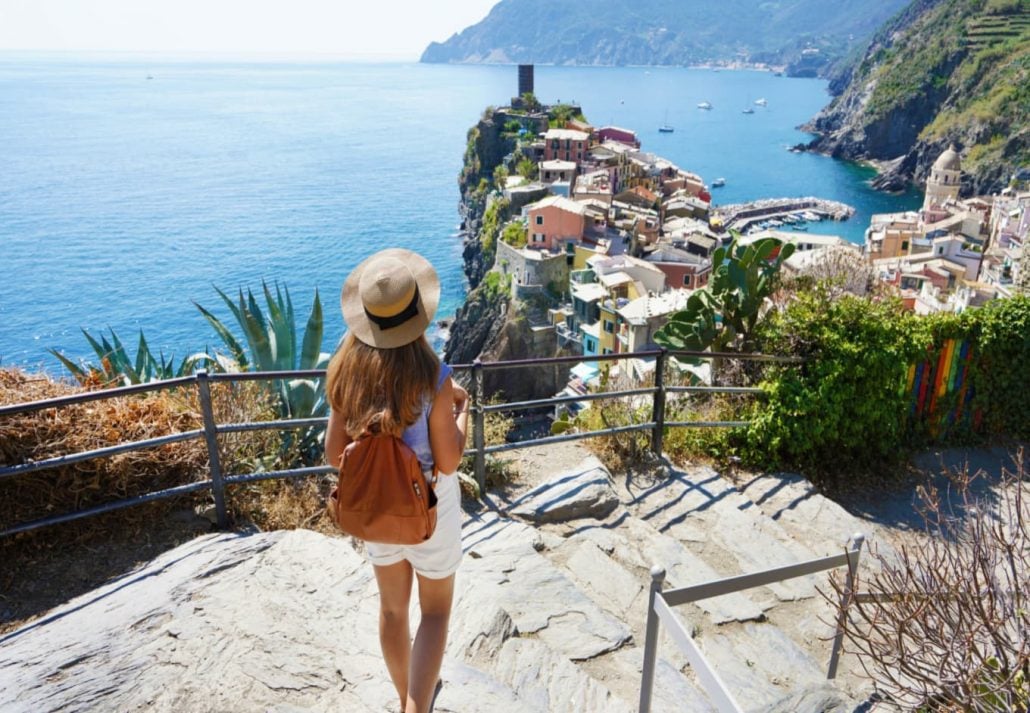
(615, 133)
(565, 145)
(554, 221)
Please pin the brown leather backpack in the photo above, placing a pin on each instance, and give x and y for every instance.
(382, 494)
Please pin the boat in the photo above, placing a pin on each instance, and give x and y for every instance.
(799, 227)
(761, 102)
(718, 183)
(749, 110)
(665, 129)
(704, 105)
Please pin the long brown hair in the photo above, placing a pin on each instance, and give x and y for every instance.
(380, 389)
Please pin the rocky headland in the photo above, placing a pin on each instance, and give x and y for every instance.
(490, 325)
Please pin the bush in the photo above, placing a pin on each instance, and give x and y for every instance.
(848, 408)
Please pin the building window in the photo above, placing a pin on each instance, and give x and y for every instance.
(904, 245)
(609, 326)
(539, 237)
(686, 281)
(606, 350)
(540, 220)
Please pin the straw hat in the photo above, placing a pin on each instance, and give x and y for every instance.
(390, 298)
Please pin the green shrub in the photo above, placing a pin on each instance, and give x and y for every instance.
(848, 408)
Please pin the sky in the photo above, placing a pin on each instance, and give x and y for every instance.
(374, 29)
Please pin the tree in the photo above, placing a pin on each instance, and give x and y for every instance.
(527, 169)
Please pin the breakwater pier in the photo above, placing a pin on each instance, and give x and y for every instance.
(743, 216)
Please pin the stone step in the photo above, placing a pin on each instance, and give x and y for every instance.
(610, 558)
(704, 512)
(820, 524)
(502, 564)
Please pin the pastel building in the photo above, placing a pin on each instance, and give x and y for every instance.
(565, 145)
(639, 319)
(616, 133)
(681, 268)
(554, 221)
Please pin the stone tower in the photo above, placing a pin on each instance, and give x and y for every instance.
(525, 79)
(945, 179)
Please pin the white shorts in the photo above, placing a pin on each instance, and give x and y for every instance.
(439, 556)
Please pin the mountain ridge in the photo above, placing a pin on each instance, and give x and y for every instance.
(665, 32)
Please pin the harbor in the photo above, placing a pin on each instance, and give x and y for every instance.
(774, 212)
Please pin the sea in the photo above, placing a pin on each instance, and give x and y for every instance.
(131, 187)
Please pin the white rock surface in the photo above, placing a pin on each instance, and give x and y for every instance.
(547, 617)
(584, 491)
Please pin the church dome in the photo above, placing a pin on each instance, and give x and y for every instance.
(949, 160)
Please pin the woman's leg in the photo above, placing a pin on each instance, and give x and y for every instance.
(434, 597)
(394, 634)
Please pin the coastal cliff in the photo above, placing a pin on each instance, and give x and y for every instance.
(490, 325)
(803, 35)
(941, 72)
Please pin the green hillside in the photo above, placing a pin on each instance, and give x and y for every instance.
(942, 71)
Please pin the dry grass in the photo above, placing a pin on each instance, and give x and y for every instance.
(45, 567)
(52, 432)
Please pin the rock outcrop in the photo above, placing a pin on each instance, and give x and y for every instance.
(548, 617)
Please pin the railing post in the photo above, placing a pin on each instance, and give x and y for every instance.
(650, 640)
(211, 436)
(478, 425)
(854, 553)
(658, 409)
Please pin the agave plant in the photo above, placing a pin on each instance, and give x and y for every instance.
(116, 368)
(269, 343)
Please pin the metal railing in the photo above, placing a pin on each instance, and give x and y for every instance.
(659, 611)
(211, 430)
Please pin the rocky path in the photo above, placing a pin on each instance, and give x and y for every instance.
(550, 611)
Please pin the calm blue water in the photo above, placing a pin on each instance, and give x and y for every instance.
(122, 199)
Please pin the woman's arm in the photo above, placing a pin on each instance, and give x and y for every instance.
(448, 424)
(336, 439)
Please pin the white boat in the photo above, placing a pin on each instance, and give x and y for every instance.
(718, 183)
(665, 129)
(749, 110)
(761, 102)
(704, 105)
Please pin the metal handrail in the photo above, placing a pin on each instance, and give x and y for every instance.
(659, 611)
(211, 430)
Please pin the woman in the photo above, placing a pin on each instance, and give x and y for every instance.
(386, 376)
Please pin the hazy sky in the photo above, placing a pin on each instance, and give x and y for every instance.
(370, 28)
